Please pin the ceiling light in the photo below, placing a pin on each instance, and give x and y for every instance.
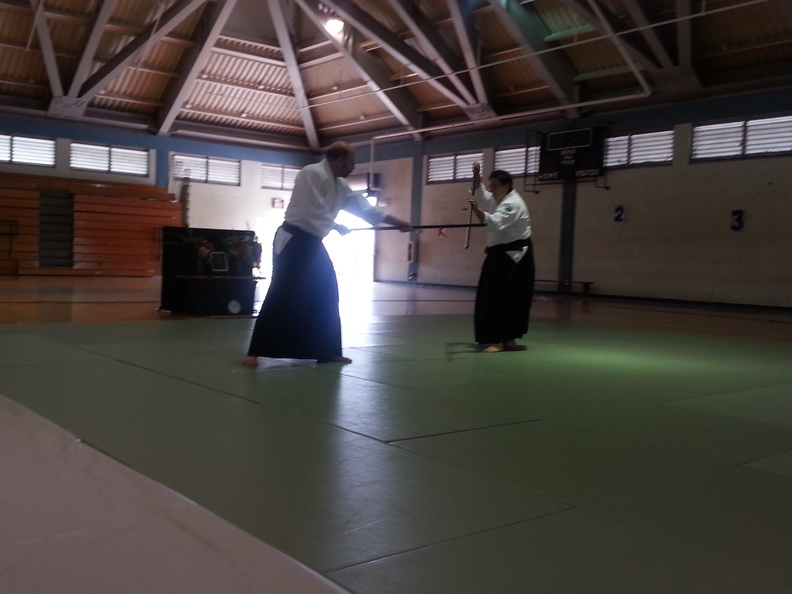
(334, 25)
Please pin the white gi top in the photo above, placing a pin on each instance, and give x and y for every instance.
(318, 196)
(509, 221)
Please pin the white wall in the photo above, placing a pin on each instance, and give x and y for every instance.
(247, 206)
(391, 247)
(676, 241)
(62, 168)
(444, 260)
(242, 207)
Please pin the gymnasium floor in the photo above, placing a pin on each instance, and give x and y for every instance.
(633, 448)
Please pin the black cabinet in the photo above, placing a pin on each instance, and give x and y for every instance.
(208, 272)
(212, 295)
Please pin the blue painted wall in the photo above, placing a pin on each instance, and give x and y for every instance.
(52, 128)
(766, 103)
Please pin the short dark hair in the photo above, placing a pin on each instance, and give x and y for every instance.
(504, 177)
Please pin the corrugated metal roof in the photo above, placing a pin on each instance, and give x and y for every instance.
(424, 66)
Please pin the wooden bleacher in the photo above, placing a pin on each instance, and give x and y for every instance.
(117, 226)
(562, 286)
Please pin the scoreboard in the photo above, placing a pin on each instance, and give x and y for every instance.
(572, 154)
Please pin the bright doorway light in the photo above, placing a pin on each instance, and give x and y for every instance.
(334, 25)
(352, 254)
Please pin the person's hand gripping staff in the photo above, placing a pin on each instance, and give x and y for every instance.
(474, 207)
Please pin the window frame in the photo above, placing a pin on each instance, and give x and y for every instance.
(13, 139)
(530, 160)
(639, 144)
(205, 164)
(110, 161)
(461, 166)
(286, 174)
(744, 133)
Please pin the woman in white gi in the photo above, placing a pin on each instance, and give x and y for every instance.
(505, 288)
(299, 317)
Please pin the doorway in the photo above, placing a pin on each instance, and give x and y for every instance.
(352, 255)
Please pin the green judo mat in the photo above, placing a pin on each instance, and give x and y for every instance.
(600, 459)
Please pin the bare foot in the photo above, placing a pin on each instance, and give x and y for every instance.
(510, 345)
(250, 361)
(344, 360)
(493, 348)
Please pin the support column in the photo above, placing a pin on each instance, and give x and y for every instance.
(566, 249)
(415, 216)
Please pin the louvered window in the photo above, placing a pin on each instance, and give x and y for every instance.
(34, 151)
(772, 135)
(189, 168)
(89, 156)
(96, 157)
(464, 165)
(764, 136)
(5, 148)
(617, 151)
(278, 177)
(519, 162)
(654, 147)
(207, 169)
(129, 161)
(289, 175)
(29, 151)
(441, 169)
(452, 167)
(223, 172)
(639, 149)
(718, 140)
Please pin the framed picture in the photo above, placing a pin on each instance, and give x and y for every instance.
(218, 261)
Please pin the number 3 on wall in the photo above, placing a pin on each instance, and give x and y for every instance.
(737, 220)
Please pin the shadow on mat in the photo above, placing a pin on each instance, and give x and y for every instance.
(460, 348)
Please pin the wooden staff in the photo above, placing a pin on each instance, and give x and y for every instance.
(469, 225)
(419, 227)
(473, 184)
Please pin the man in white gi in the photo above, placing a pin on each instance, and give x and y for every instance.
(299, 318)
(505, 288)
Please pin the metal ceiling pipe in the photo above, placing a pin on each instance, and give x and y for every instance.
(503, 118)
(524, 114)
(701, 13)
(616, 40)
(36, 17)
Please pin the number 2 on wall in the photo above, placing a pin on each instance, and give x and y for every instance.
(618, 214)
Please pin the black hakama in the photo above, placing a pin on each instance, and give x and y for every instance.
(504, 295)
(299, 317)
